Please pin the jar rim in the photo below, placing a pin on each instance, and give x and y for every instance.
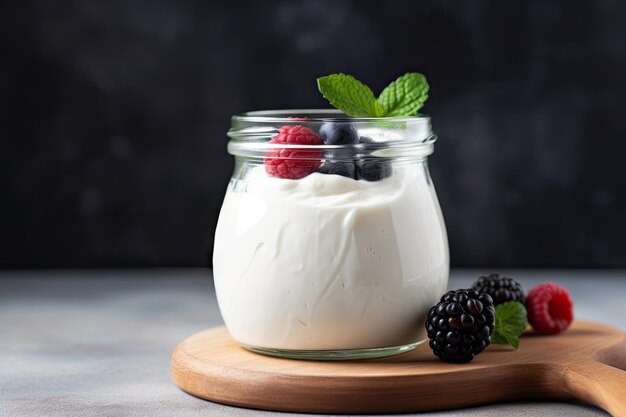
(318, 115)
(393, 137)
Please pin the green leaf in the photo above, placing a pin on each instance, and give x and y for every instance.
(349, 95)
(405, 96)
(504, 339)
(510, 323)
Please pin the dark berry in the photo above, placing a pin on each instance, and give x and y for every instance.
(467, 321)
(453, 309)
(441, 309)
(338, 134)
(373, 169)
(486, 298)
(459, 326)
(500, 288)
(461, 298)
(448, 296)
(356, 163)
(345, 169)
(454, 338)
(452, 322)
(339, 161)
(474, 306)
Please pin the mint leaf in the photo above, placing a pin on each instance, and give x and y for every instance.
(349, 95)
(504, 339)
(510, 323)
(405, 96)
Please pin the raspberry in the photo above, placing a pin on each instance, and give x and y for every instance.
(293, 163)
(550, 308)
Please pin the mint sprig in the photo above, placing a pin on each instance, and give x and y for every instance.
(510, 323)
(349, 95)
(403, 97)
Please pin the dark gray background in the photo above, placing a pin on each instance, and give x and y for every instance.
(113, 119)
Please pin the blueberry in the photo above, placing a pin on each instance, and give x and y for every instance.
(373, 170)
(369, 145)
(338, 134)
(339, 154)
(345, 169)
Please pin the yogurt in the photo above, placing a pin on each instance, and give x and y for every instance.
(327, 262)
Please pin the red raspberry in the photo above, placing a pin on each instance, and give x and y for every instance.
(293, 163)
(550, 308)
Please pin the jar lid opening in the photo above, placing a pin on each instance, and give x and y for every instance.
(289, 116)
(391, 137)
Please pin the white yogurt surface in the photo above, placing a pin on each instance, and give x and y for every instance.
(327, 262)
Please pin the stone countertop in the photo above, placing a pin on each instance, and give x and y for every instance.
(98, 343)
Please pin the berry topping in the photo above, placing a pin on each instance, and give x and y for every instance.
(371, 169)
(338, 134)
(550, 308)
(339, 161)
(293, 163)
(345, 169)
(349, 163)
(500, 288)
(460, 325)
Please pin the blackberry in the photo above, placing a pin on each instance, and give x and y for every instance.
(459, 326)
(500, 288)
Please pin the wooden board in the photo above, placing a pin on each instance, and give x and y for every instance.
(585, 363)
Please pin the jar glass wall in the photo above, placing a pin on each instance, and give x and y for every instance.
(329, 251)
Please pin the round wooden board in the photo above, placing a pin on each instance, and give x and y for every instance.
(585, 363)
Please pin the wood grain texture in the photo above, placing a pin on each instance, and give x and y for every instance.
(586, 363)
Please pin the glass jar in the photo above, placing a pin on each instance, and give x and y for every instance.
(342, 259)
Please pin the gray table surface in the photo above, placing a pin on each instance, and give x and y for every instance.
(98, 343)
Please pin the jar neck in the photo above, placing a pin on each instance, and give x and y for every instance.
(244, 166)
(397, 138)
